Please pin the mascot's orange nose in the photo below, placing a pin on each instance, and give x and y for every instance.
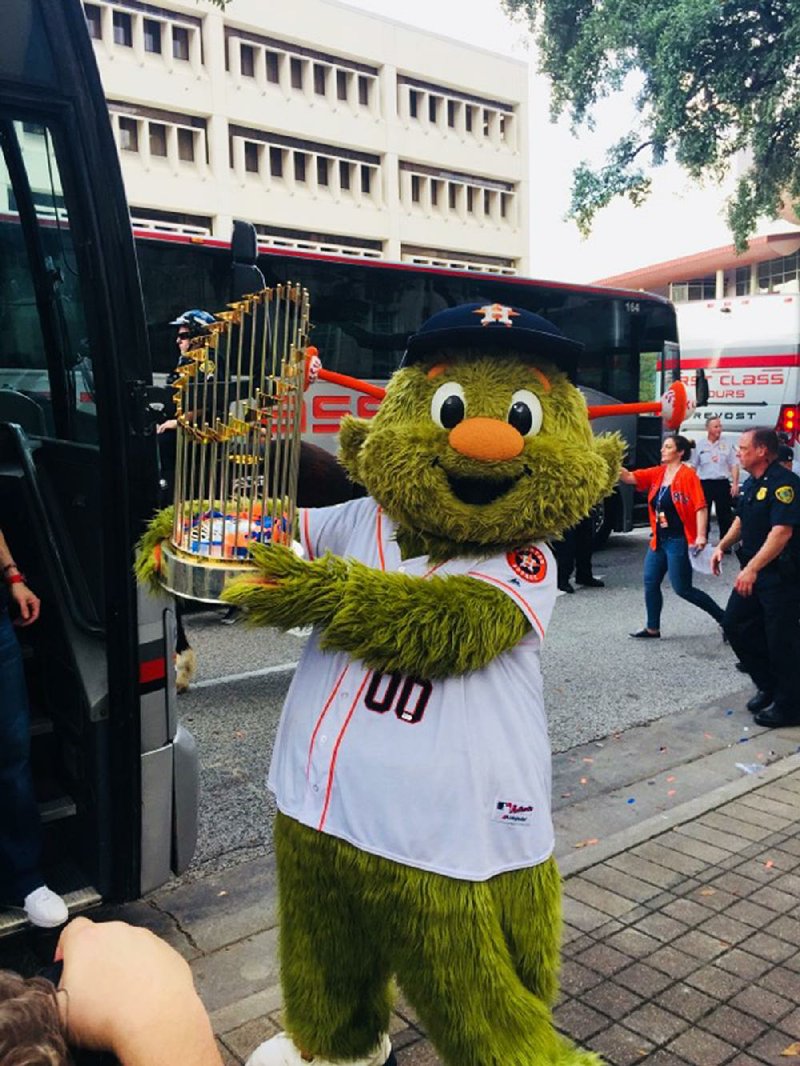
(486, 439)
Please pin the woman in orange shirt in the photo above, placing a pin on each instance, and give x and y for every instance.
(678, 521)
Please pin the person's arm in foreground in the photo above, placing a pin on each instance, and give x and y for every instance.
(27, 601)
(124, 990)
(731, 537)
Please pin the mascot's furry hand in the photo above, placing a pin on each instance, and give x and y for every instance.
(288, 591)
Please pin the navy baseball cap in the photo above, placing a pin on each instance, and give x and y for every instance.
(493, 325)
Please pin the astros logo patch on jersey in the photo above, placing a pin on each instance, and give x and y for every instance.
(784, 494)
(528, 563)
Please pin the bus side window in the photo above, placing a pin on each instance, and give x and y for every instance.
(28, 167)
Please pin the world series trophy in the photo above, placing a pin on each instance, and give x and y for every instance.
(238, 400)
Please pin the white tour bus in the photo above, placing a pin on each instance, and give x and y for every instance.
(749, 348)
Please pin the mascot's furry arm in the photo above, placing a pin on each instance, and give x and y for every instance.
(395, 623)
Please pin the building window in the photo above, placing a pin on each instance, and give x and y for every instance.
(504, 202)
(186, 145)
(180, 42)
(413, 103)
(433, 108)
(694, 289)
(779, 275)
(366, 180)
(435, 193)
(94, 22)
(273, 74)
(452, 195)
(322, 170)
(743, 280)
(299, 166)
(451, 114)
(344, 174)
(296, 72)
(468, 117)
(123, 31)
(342, 79)
(415, 188)
(320, 79)
(158, 139)
(251, 157)
(247, 60)
(152, 36)
(275, 162)
(470, 199)
(129, 135)
(363, 90)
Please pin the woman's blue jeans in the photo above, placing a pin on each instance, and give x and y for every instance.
(20, 832)
(672, 557)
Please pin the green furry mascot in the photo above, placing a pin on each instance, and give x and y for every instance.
(412, 766)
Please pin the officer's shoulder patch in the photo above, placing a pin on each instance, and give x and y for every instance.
(785, 494)
(762, 493)
(528, 563)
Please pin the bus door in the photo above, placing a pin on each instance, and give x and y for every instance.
(115, 776)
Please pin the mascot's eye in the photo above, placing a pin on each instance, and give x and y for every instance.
(448, 406)
(525, 413)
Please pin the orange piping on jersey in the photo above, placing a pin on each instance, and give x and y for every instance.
(432, 570)
(332, 765)
(527, 610)
(379, 537)
(307, 535)
(321, 718)
(541, 378)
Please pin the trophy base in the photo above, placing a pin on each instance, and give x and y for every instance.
(198, 578)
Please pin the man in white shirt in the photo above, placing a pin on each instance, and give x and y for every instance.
(715, 462)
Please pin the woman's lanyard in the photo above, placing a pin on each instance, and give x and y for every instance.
(658, 503)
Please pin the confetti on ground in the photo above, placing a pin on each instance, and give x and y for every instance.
(239, 734)
(588, 758)
(768, 864)
(663, 747)
(729, 711)
(708, 736)
(670, 778)
(671, 791)
(743, 740)
(631, 799)
(584, 780)
(792, 1051)
(708, 891)
(223, 892)
(565, 795)
(586, 843)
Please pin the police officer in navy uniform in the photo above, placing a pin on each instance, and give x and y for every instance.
(761, 619)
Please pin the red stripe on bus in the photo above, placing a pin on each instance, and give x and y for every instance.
(739, 362)
(152, 670)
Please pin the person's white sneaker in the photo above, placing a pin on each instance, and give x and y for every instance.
(45, 908)
(282, 1051)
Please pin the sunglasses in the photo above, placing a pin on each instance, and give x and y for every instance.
(184, 336)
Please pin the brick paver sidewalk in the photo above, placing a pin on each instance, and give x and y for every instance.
(681, 950)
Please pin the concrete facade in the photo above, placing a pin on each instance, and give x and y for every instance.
(329, 128)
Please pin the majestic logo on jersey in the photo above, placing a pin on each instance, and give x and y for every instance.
(528, 563)
(785, 494)
(762, 493)
(496, 313)
(513, 813)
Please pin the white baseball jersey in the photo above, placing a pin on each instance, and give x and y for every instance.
(712, 461)
(451, 776)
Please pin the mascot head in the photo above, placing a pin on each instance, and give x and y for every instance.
(482, 440)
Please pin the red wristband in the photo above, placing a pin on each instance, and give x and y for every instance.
(16, 579)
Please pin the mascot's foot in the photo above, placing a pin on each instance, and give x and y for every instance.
(282, 1051)
(185, 668)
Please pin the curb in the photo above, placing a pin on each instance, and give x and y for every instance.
(572, 865)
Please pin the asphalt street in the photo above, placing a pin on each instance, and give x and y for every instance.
(599, 684)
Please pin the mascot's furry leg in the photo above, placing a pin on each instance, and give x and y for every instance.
(476, 959)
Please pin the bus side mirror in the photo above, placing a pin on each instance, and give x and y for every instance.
(701, 389)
